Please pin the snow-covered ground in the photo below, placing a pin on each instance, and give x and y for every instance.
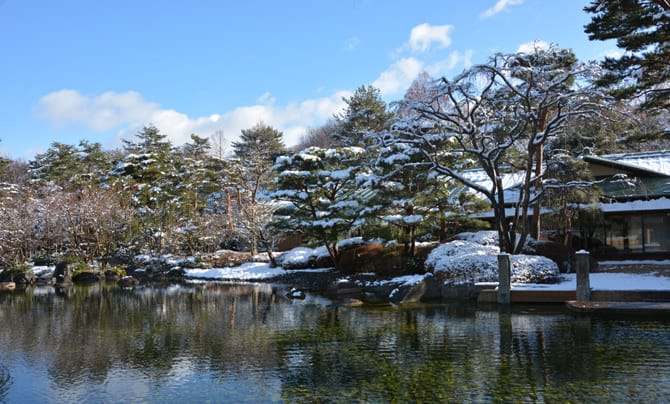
(245, 272)
(252, 271)
(598, 281)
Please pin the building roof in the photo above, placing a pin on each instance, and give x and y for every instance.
(647, 164)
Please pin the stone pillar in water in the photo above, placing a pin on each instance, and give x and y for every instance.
(504, 276)
(582, 271)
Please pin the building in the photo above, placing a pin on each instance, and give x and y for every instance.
(635, 221)
(632, 218)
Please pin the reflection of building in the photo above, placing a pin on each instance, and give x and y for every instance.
(636, 211)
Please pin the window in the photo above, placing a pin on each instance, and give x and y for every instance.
(638, 233)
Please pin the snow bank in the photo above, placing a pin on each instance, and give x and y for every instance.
(473, 258)
(244, 272)
(248, 271)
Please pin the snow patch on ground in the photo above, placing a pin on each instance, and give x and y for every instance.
(248, 271)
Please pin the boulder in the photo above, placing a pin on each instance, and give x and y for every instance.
(463, 291)
(7, 285)
(87, 277)
(127, 282)
(176, 272)
(62, 274)
(112, 276)
(341, 288)
(24, 278)
(428, 288)
(296, 294)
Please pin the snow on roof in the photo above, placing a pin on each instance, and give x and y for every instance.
(479, 176)
(638, 205)
(658, 161)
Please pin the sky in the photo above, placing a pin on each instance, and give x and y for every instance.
(99, 71)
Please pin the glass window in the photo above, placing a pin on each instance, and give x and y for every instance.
(656, 233)
(625, 233)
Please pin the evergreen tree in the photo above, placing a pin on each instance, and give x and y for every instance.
(261, 142)
(196, 175)
(149, 175)
(255, 154)
(322, 188)
(59, 164)
(366, 113)
(642, 29)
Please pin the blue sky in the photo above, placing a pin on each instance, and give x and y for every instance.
(100, 70)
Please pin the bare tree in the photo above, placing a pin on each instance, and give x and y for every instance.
(499, 115)
(219, 144)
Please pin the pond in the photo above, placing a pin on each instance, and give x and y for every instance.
(249, 343)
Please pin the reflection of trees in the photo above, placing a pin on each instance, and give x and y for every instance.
(148, 329)
(250, 335)
(5, 381)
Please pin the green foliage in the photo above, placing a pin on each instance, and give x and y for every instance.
(16, 269)
(71, 166)
(120, 272)
(321, 187)
(568, 185)
(261, 142)
(366, 113)
(642, 29)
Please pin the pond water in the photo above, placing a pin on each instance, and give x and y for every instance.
(248, 343)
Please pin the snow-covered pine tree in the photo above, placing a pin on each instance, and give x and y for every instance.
(321, 195)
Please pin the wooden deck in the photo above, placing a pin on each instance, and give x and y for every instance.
(657, 309)
(529, 296)
(562, 296)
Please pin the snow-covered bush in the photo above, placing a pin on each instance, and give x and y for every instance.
(304, 257)
(473, 258)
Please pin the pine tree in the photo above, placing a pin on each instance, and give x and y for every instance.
(255, 154)
(642, 29)
(366, 113)
(322, 187)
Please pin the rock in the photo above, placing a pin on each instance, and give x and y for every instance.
(463, 291)
(351, 302)
(427, 288)
(111, 276)
(62, 274)
(25, 278)
(343, 288)
(128, 281)
(176, 272)
(7, 285)
(18, 276)
(295, 294)
(87, 277)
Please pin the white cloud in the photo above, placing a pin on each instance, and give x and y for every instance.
(398, 76)
(126, 113)
(531, 47)
(422, 37)
(455, 59)
(500, 6)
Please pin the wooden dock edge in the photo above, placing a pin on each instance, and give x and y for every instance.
(627, 308)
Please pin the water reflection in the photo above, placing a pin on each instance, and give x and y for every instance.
(248, 342)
